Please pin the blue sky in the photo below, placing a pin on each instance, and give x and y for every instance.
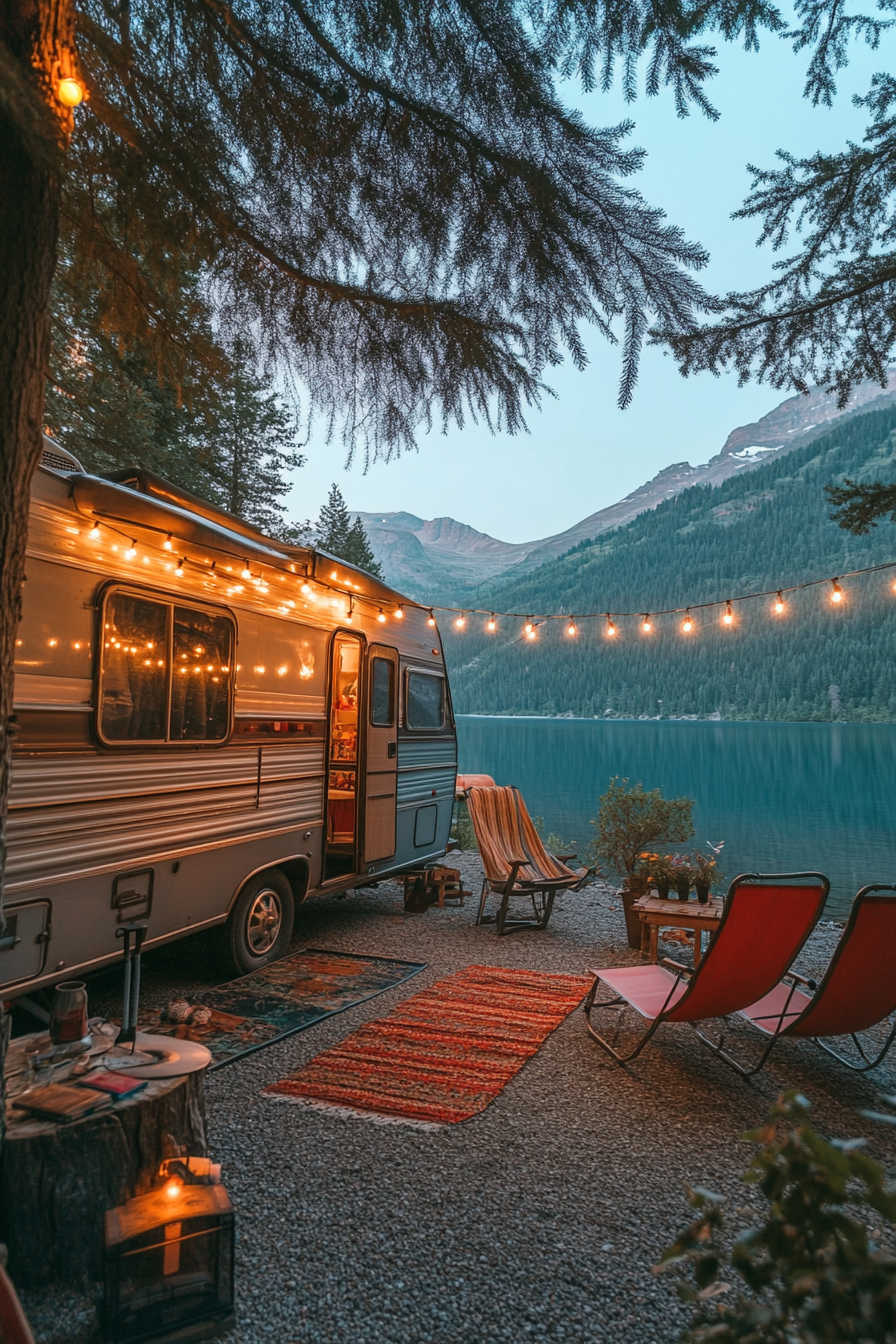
(581, 453)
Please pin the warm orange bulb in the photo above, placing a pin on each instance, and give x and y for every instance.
(687, 624)
(728, 618)
(528, 627)
(94, 532)
(645, 625)
(837, 591)
(381, 616)
(461, 622)
(572, 629)
(167, 544)
(492, 624)
(530, 634)
(431, 619)
(179, 572)
(131, 551)
(70, 92)
(399, 612)
(611, 629)
(173, 1189)
(779, 605)
(306, 588)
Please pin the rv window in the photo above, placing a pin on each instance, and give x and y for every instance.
(200, 685)
(425, 701)
(166, 672)
(135, 676)
(382, 695)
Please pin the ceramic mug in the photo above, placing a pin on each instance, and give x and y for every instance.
(68, 1015)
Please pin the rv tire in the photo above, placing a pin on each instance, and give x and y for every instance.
(260, 924)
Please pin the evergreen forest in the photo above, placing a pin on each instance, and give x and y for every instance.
(767, 529)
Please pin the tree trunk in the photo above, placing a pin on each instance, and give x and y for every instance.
(37, 47)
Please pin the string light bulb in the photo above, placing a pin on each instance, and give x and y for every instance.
(779, 604)
(611, 629)
(350, 614)
(179, 571)
(167, 544)
(572, 629)
(528, 627)
(491, 624)
(94, 532)
(646, 626)
(431, 618)
(687, 624)
(728, 618)
(70, 92)
(531, 631)
(306, 588)
(399, 612)
(460, 622)
(131, 551)
(245, 572)
(836, 591)
(381, 616)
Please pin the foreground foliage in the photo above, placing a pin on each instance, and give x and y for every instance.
(812, 1273)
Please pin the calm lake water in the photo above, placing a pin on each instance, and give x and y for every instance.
(784, 797)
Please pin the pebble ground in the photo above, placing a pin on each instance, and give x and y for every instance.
(541, 1218)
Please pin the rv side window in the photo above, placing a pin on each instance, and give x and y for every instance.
(425, 701)
(166, 672)
(382, 694)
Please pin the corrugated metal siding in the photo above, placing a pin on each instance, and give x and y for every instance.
(69, 839)
(416, 787)
(46, 781)
(426, 755)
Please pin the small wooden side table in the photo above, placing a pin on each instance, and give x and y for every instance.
(655, 914)
(439, 885)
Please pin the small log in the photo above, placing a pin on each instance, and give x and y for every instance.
(57, 1180)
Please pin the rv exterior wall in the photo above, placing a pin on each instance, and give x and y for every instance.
(145, 748)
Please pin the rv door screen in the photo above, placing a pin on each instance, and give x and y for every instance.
(166, 672)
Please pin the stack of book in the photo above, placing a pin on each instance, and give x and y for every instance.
(64, 1102)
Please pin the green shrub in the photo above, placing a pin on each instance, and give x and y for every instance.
(813, 1275)
(462, 826)
(631, 820)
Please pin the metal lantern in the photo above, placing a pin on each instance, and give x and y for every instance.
(169, 1265)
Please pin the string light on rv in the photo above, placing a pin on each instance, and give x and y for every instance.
(431, 618)
(131, 551)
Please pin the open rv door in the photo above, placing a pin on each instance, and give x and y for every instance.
(382, 753)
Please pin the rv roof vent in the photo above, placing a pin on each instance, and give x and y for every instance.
(58, 459)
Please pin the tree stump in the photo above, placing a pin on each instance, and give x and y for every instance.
(57, 1180)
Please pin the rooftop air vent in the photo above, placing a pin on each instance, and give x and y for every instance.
(55, 458)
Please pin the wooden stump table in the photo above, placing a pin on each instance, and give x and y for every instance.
(57, 1180)
(656, 913)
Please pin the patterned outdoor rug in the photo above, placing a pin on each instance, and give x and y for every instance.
(285, 997)
(443, 1055)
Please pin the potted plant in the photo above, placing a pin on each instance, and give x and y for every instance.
(682, 875)
(629, 819)
(706, 870)
(662, 873)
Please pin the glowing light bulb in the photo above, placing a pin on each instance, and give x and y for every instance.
(461, 622)
(399, 612)
(334, 575)
(70, 92)
(179, 571)
(94, 532)
(728, 618)
(381, 616)
(131, 551)
(779, 605)
(687, 624)
(611, 629)
(491, 624)
(306, 588)
(431, 618)
(245, 572)
(173, 1189)
(167, 544)
(531, 632)
(528, 627)
(837, 591)
(645, 624)
(572, 629)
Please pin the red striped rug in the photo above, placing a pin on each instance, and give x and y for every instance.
(443, 1055)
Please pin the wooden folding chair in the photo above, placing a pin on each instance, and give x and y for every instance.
(516, 862)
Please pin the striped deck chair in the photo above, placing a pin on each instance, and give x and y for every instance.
(857, 991)
(516, 863)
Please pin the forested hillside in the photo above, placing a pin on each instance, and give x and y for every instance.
(764, 530)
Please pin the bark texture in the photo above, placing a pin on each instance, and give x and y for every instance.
(36, 48)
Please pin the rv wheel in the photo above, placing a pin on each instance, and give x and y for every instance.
(260, 924)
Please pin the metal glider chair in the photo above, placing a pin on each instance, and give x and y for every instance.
(858, 989)
(766, 920)
(516, 863)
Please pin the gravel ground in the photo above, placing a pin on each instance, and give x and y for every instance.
(539, 1219)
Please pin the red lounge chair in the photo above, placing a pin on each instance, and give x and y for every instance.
(857, 992)
(765, 923)
(516, 863)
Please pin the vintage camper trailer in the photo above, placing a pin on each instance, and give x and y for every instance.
(212, 727)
